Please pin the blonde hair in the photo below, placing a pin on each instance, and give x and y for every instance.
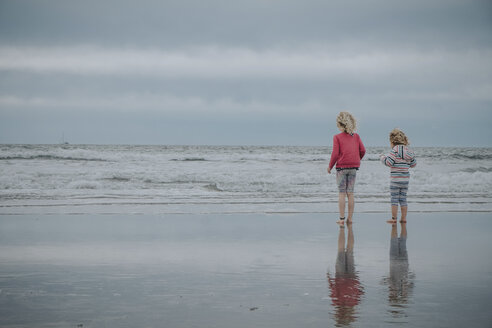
(347, 122)
(397, 137)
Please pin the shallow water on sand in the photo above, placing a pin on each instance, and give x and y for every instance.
(245, 271)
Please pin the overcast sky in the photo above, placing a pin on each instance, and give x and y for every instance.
(245, 72)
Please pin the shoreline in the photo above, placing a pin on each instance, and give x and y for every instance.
(237, 213)
(231, 208)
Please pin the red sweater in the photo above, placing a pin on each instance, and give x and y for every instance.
(348, 150)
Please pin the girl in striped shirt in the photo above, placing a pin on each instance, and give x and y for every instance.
(400, 160)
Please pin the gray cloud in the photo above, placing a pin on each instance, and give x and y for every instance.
(244, 71)
(215, 62)
(253, 23)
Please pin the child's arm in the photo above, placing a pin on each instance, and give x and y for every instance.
(362, 149)
(383, 158)
(389, 160)
(413, 161)
(334, 153)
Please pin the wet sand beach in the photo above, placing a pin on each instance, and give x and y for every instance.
(245, 270)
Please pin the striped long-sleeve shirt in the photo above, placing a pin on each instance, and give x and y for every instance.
(400, 160)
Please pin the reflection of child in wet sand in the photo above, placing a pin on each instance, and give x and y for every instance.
(400, 159)
(400, 281)
(346, 290)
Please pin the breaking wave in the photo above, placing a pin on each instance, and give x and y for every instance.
(225, 175)
(50, 158)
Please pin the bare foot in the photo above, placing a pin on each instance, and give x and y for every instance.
(349, 221)
(341, 223)
(392, 221)
(403, 221)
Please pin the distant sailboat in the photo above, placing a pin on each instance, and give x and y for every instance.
(63, 142)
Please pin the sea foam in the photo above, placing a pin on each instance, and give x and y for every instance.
(165, 179)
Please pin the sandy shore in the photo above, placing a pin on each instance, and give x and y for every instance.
(258, 270)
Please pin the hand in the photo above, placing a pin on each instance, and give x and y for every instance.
(329, 171)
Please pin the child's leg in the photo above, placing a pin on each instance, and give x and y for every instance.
(404, 213)
(403, 202)
(394, 231)
(342, 190)
(403, 233)
(341, 204)
(395, 196)
(341, 240)
(351, 176)
(394, 214)
(394, 211)
(350, 239)
(351, 205)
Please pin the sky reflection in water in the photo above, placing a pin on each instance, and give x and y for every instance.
(245, 270)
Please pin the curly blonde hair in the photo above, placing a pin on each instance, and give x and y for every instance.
(347, 122)
(397, 137)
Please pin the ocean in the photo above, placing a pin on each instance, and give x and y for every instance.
(112, 179)
(216, 236)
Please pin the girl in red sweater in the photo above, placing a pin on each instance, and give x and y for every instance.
(348, 150)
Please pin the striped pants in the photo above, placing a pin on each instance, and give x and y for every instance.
(399, 191)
